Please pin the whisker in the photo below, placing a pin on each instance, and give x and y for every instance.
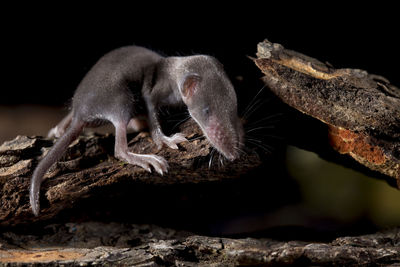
(241, 144)
(277, 137)
(265, 149)
(250, 107)
(180, 122)
(261, 145)
(252, 100)
(211, 157)
(267, 119)
(260, 128)
(220, 163)
(240, 150)
(258, 104)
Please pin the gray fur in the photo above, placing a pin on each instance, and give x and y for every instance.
(120, 81)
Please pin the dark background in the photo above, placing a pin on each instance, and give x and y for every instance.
(47, 49)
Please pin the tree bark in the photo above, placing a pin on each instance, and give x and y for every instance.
(106, 244)
(88, 170)
(361, 110)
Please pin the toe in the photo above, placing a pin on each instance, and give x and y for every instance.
(179, 138)
(163, 164)
(174, 140)
(172, 145)
(158, 167)
(146, 167)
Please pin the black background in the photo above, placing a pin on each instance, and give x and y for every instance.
(47, 49)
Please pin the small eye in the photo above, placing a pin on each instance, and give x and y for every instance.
(206, 111)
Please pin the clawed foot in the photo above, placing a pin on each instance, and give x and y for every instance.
(159, 164)
(172, 141)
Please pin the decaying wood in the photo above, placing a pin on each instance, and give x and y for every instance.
(362, 110)
(88, 169)
(104, 244)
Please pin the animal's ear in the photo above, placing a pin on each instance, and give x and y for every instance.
(189, 85)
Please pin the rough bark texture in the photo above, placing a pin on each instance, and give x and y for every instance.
(362, 110)
(88, 170)
(101, 244)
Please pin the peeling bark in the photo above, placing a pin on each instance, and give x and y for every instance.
(361, 110)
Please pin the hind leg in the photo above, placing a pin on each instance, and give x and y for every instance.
(61, 127)
(145, 161)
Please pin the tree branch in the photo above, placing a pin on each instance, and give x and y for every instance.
(361, 110)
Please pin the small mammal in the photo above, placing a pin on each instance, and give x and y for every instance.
(110, 90)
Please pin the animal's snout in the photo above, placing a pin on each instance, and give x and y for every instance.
(223, 139)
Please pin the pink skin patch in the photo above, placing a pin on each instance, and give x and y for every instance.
(220, 138)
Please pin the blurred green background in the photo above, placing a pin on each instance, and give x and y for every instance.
(331, 190)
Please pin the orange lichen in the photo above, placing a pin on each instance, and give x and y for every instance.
(356, 144)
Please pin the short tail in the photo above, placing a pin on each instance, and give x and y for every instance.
(54, 155)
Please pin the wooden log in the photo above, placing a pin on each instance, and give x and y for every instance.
(89, 170)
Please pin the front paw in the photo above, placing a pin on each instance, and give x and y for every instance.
(169, 141)
(146, 161)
